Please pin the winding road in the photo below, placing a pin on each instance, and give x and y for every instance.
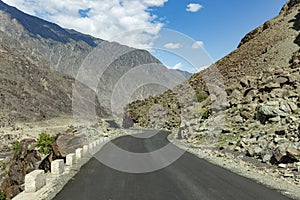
(188, 178)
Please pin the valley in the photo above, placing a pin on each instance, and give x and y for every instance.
(230, 131)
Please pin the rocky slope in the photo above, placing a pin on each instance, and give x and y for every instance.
(66, 50)
(33, 93)
(271, 45)
(258, 115)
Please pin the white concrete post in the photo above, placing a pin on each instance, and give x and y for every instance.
(34, 181)
(78, 153)
(91, 146)
(85, 150)
(57, 167)
(70, 159)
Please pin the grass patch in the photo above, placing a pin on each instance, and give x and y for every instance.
(224, 139)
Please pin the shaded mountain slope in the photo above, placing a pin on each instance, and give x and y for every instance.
(33, 93)
(66, 50)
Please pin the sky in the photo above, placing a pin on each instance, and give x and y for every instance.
(212, 28)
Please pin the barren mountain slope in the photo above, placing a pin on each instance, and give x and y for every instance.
(33, 93)
(269, 46)
(66, 50)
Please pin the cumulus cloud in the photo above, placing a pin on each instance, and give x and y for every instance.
(172, 45)
(193, 7)
(105, 19)
(197, 45)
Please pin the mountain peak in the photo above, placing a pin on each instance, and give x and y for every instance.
(40, 28)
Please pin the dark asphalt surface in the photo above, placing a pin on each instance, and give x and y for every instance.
(188, 178)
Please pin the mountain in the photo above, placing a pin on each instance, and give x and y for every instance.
(246, 104)
(34, 93)
(269, 46)
(68, 51)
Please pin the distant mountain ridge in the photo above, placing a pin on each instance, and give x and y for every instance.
(36, 26)
(47, 44)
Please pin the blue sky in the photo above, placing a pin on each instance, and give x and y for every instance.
(219, 24)
(216, 25)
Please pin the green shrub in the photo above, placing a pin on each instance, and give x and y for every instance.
(44, 143)
(2, 195)
(201, 97)
(204, 114)
(16, 146)
(3, 165)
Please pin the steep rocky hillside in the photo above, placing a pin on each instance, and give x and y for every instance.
(30, 92)
(65, 50)
(259, 114)
(270, 45)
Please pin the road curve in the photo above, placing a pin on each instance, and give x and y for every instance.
(188, 178)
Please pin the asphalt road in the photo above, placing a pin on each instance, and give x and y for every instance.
(188, 178)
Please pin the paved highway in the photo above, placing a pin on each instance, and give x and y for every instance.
(188, 178)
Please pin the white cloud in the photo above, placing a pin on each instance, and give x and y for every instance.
(106, 19)
(193, 7)
(172, 45)
(197, 45)
(177, 66)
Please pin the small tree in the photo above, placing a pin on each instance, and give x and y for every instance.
(44, 143)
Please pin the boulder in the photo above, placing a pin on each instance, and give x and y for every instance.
(293, 106)
(271, 85)
(281, 80)
(279, 153)
(66, 144)
(246, 115)
(236, 94)
(294, 78)
(281, 131)
(248, 81)
(279, 93)
(258, 151)
(250, 152)
(272, 109)
(283, 166)
(24, 160)
(293, 152)
(284, 106)
(266, 158)
(275, 119)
